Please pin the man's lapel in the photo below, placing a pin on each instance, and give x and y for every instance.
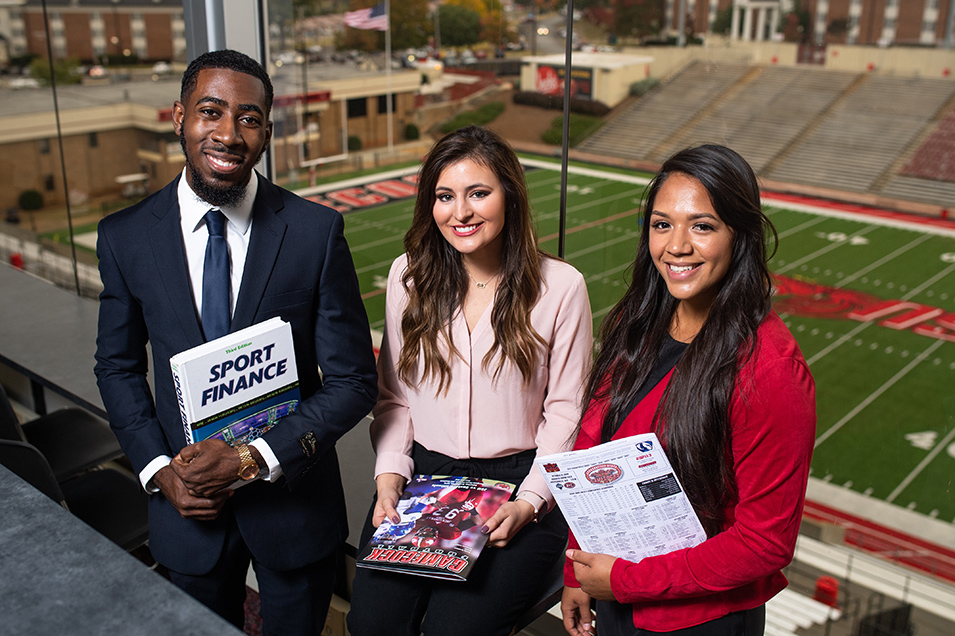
(268, 231)
(165, 237)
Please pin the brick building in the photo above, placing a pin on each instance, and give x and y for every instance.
(863, 22)
(96, 30)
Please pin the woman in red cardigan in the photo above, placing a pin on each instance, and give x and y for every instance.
(695, 353)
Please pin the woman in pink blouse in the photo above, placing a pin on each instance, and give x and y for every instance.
(487, 343)
(695, 353)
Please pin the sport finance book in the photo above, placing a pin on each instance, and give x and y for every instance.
(236, 387)
(439, 534)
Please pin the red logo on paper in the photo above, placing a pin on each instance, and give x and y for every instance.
(551, 468)
(603, 473)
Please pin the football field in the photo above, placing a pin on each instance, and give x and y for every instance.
(870, 298)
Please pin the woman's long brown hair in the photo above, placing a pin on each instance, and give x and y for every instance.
(437, 282)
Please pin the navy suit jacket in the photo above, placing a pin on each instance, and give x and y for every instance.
(298, 267)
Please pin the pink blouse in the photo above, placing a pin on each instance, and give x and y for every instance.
(479, 417)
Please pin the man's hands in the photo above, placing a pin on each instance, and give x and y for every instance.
(189, 506)
(197, 480)
(507, 521)
(390, 487)
(207, 467)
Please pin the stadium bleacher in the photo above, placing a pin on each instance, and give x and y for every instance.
(762, 117)
(865, 133)
(662, 113)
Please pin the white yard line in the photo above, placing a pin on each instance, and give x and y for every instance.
(848, 336)
(885, 259)
(839, 341)
(918, 469)
(629, 236)
(888, 384)
(802, 226)
(587, 172)
(824, 250)
(357, 181)
(931, 281)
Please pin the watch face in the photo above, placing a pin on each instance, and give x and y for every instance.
(249, 472)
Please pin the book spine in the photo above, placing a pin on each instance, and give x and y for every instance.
(179, 379)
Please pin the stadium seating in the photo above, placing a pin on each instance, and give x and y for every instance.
(866, 133)
(663, 113)
(929, 175)
(764, 116)
(789, 610)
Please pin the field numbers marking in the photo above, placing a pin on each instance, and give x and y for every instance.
(923, 439)
(825, 250)
(841, 237)
(815, 220)
(945, 443)
(948, 257)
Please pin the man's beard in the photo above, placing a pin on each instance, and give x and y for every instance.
(229, 196)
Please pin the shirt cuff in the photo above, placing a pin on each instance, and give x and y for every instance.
(153, 467)
(271, 461)
(394, 462)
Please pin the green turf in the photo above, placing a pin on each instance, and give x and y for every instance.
(882, 411)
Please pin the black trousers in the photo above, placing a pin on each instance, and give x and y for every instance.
(293, 602)
(616, 619)
(500, 586)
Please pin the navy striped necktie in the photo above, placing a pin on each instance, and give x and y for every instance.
(216, 313)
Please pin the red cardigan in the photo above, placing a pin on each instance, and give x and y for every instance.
(773, 420)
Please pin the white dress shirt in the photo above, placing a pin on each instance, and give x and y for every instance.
(192, 212)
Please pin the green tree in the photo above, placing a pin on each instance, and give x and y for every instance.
(410, 27)
(66, 71)
(411, 24)
(723, 21)
(459, 26)
(638, 18)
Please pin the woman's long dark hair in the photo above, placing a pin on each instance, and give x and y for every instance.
(437, 282)
(693, 416)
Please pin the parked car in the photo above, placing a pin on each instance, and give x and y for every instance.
(23, 82)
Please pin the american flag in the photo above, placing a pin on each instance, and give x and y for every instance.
(373, 18)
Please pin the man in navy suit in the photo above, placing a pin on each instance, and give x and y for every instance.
(287, 257)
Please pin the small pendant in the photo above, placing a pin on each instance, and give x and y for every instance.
(480, 285)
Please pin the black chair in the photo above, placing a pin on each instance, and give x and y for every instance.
(109, 500)
(72, 440)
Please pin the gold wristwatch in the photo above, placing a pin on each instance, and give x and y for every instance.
(248, 468)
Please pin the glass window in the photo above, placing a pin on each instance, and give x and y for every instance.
(383, 104)
(357, 107)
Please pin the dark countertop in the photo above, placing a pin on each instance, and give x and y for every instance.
(49, 335)
(62, 577)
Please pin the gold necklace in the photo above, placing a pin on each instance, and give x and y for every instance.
(480, 285)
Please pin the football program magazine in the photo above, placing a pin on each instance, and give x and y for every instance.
(236, 387)
(622, 498)
(439, 534)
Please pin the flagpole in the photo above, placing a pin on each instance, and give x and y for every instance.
(388, 74)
